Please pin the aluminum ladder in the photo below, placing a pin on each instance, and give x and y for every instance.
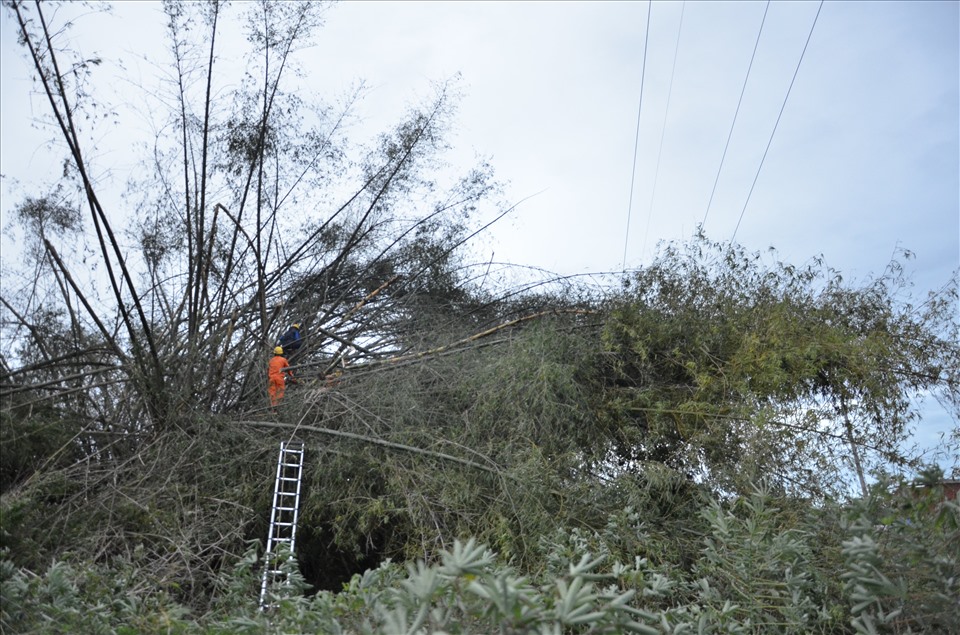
(283, 514)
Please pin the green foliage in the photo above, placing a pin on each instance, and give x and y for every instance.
(532, 440)
(517, 410)
(85, 599)
(28, 443)
(763, 565)
(734, 371)
(902, 558)
(178, 508)
(762, 560)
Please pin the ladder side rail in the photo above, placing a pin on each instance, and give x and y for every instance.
(296, 498)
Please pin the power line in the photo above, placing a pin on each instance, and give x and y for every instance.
(636, 143)
(787, 96)
(735, 114)
(663, 130)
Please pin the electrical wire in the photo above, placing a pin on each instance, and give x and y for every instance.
(735, 114)
(663, 130)
(773, 132)
(636, 143)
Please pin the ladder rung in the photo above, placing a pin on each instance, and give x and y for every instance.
(286, 478)
(279, 524)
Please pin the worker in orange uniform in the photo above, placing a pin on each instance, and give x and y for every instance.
(277, 372)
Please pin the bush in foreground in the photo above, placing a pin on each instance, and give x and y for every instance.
(887, 564)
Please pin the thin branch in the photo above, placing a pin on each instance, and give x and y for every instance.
(374, 441)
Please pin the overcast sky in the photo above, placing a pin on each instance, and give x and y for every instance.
(865, 158)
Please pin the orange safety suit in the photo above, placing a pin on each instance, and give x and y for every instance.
(275, 373)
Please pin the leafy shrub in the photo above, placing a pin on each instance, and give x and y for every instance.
(763, 565)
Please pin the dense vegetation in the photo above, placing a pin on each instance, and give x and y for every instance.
(688, 447)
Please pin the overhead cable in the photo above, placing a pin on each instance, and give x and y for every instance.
(636, 143)
(787, 96)
(663, 129)
(734, 123)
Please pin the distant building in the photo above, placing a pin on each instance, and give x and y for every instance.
(951, 488)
